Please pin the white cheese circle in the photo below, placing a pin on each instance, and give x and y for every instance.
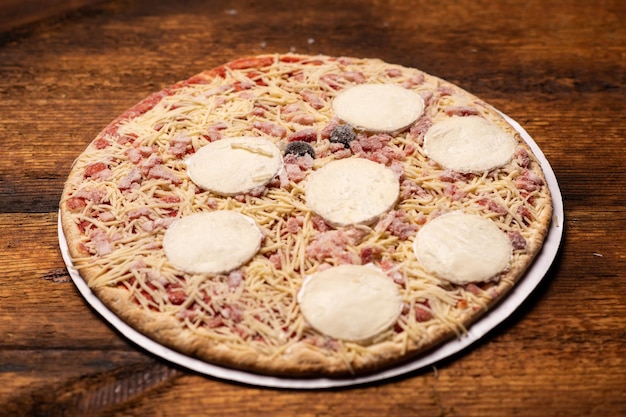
(351, 191)
(211, 243)
(350, 302)
(379, 107)
(469, 144)
(462, 248)
(236, 165)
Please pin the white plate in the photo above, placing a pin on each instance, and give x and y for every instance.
(493, 318)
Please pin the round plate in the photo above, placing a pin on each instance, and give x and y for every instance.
(493, 318)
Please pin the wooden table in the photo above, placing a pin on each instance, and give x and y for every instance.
(558, 68)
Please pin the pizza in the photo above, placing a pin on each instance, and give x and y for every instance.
(297, 215)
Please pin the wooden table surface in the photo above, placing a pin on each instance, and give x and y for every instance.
(557, 67)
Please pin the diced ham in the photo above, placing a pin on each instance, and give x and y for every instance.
(96, 196)
(454, 192)
(461, 111)
(106, 216)
(139, 212)
(179, 144)
(522, 158)
(416, 79)
(305, 135)
(94, 170)
(452, 176)
(518, 242)
(162, 173)
(332, 81)
(410, 189)
(133, 177)
(313, 99)
(176, 294)
(397, 223)
(354, 76)
(419, 129)
(493, 206)
(276, 260)
(152, 225)
(235, 278)
(529, 181)
(332, 244)
(270, 128)
(101, 242)
(422, 313)
(393, 72)
(370, 254)
(294, 224)
(75, 204)
(319, 223)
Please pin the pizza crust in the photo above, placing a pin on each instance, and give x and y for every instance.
(96, 216)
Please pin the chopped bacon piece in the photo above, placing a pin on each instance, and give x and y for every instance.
(454, 192)
(370, 254)
(354, 76)
(522, 158)
(94, 195)
(101, 143)
(525, 213)
(139, 212)
(304, 135)
(410, 189)
(75, 204)
(416, 79)
(331, 80)
(176, 294)
(397, 223)
(270, 128)
(294, 224)
(393, 72)
(427, 96)
(461, 111)
(235, 278)
(422, 314)
(133, 177)
(162, 173)
(313, 99)
(374, 142)
(178, 145)
(419, 129)
(276, 260)
(152, 225)
(452, 176)
(319, 223)
(518, 242)
(493, 206)
(92, 170)
(332, 244)
(101, 242)
(106, 216)
(529, 181)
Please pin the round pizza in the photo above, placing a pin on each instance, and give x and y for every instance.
(299, 215)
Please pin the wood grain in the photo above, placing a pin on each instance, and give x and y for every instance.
(558, 68)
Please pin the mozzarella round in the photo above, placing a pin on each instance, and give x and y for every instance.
(350, 302)
(379, 107)
(469, 144)
(236, 165)
(211, 243)
(462, 248)
(351, 191)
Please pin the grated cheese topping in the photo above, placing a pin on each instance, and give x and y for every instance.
(133, 182)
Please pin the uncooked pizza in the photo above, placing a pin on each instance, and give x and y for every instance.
(299, 215)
